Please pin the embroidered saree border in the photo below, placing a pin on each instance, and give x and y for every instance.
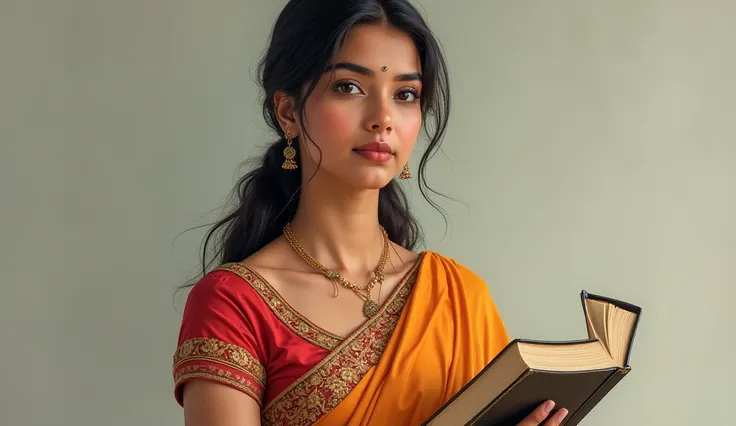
(216, 360)
(293, 319)
(329, 382)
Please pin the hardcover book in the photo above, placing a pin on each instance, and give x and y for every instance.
(577, 375)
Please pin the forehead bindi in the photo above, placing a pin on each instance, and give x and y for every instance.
(381, 48)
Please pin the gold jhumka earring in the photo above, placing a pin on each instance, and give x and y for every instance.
(405, 172)
(289, 153)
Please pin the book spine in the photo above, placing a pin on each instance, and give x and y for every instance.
(595, 398)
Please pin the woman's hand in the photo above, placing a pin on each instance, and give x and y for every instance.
(541, 413)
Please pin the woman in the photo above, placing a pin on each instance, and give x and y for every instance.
(320, 312)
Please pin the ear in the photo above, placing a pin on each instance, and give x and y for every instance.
(285, 109)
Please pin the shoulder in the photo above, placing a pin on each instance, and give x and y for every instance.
(466, 285)
(461, 274)
(221, 337)
(227, 282)
(451, 262)
(224, 305)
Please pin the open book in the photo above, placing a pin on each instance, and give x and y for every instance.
(574, 374)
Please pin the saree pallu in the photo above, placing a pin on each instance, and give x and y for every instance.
(436, 331)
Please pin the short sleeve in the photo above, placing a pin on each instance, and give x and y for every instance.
(218, 340)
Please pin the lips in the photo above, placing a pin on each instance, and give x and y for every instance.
(376, 151)
(375, 146)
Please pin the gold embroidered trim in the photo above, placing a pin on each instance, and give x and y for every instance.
(219, 352)
(329, 382)
(293, 319)
(208, 372)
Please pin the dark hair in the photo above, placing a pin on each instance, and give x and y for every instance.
(306, 36)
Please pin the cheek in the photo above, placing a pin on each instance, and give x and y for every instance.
(331, 124)
(408, 129)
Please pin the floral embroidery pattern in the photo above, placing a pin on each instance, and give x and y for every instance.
(220, 361)
(295, 321)
(210, 372)
(328, 383)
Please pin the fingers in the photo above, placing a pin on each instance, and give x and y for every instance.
(538, 415)
(557, 418)
(541, 413)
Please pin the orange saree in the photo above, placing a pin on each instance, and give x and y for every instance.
(437, 330)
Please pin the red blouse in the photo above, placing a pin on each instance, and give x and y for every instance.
(238, 331)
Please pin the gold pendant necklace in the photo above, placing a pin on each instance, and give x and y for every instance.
(370, 308)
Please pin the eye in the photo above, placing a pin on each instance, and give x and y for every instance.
(348, 88)
(408, 95)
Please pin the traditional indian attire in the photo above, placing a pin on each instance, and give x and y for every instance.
(434, 333)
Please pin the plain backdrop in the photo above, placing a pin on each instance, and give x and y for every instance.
(591, 146)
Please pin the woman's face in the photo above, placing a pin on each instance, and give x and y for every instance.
(366, 117)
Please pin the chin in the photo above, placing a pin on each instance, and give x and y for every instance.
(372, 180)
(358, 178)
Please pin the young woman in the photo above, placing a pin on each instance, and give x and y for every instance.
(319, 311)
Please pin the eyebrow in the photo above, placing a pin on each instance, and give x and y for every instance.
(359, 69)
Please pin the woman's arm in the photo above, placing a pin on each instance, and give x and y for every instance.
(212, 404)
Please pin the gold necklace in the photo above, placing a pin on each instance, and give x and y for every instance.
(370, 308)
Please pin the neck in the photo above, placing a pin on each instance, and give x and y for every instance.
(339, 227)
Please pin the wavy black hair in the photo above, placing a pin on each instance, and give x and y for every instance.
(306, 37)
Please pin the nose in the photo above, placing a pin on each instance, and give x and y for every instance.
(380, 120)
